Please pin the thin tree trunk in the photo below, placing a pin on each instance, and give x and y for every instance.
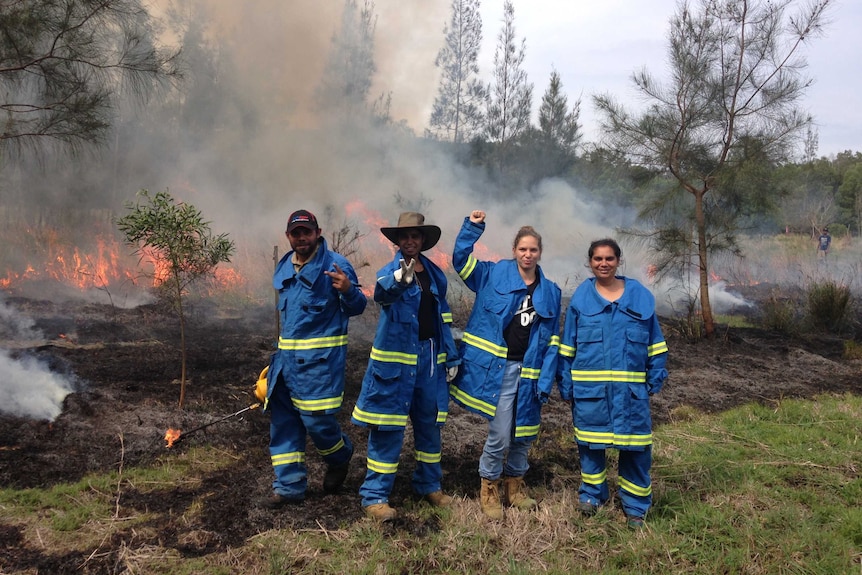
(705, 306)
(182, 344)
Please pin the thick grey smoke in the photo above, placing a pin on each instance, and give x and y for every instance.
(28, 386)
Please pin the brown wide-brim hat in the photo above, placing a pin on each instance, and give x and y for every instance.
(411, 220)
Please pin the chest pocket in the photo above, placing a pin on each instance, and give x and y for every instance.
(637, 342)
(588, 347)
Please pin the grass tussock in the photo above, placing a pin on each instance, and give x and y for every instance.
(829, 307)
(757, 490)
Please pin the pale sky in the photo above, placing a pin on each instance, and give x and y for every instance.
(595, 46)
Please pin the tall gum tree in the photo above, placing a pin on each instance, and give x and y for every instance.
(735, 76)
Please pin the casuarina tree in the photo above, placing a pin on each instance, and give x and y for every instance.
(174, 236)
(64, 65)
(735, 77)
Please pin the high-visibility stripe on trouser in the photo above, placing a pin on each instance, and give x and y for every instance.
(384, 450)
(635, 484)
(594, 476)
(287, 439)
(426, 421)
(384, 447)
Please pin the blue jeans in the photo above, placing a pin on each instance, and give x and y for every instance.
(501, 431)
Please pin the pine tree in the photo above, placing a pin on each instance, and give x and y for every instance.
(559, 124)
(343, 91)
(511, 97)
(457, 114)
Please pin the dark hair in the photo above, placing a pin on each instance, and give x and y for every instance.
(607, 242)
(527, 231)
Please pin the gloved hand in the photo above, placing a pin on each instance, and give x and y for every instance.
(261, 385)
(405, 274)
(451, 373)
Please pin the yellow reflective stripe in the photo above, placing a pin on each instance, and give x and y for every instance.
(425, 457)
(441, 357)
(611, 438)
(394, 356)
(381, 466)
(555, 340)
(468, 268)
(318, 404)
(567, 350)
(447, 316)
(526, 430)
(287, 458)
(312, 343)
(608, 375)
(530, 373)
(332, 449)
(442, 416)
(634, 489)
(657, 348)
(477, 404)
(595, 478)
(379, 418)
(485, 345)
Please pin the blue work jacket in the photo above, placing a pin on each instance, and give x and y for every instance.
(387, 388)
(312, 346)
(612, 358)
(500, 290)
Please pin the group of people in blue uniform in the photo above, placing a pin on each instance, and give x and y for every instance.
(607, 361)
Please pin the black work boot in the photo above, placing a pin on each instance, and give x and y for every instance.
(335, 476)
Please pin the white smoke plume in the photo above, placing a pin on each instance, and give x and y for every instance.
(28, 386)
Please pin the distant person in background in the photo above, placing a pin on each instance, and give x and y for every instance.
(509, 353)
(413, 357)
(612, 359)
(823, 243)
(317, 293)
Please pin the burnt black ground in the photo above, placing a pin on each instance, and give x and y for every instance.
(126, 363)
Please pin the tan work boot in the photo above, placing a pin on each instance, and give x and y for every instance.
(515, 494)
(438, 499)
(381, 512)
(489, 497)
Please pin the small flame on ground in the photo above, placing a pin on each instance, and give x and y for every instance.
(171, 436)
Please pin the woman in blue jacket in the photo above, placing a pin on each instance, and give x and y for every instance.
(612, 359)
(412, 359)
(508, 353)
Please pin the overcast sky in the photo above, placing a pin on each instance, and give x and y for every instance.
(595, 46)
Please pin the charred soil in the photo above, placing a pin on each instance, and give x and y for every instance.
(126, 363)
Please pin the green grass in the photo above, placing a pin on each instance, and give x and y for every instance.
(738, 321)
(760, 489)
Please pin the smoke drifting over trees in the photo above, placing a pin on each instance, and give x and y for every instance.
(322, 105)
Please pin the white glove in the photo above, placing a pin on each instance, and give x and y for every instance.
(451, 372)
(405, 274)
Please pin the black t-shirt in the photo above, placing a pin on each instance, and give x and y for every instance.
(427, 307)
(517, 333)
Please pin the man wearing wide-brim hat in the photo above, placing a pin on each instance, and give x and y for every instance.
(412, 360)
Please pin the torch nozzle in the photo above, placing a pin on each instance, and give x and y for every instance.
(174, 435)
